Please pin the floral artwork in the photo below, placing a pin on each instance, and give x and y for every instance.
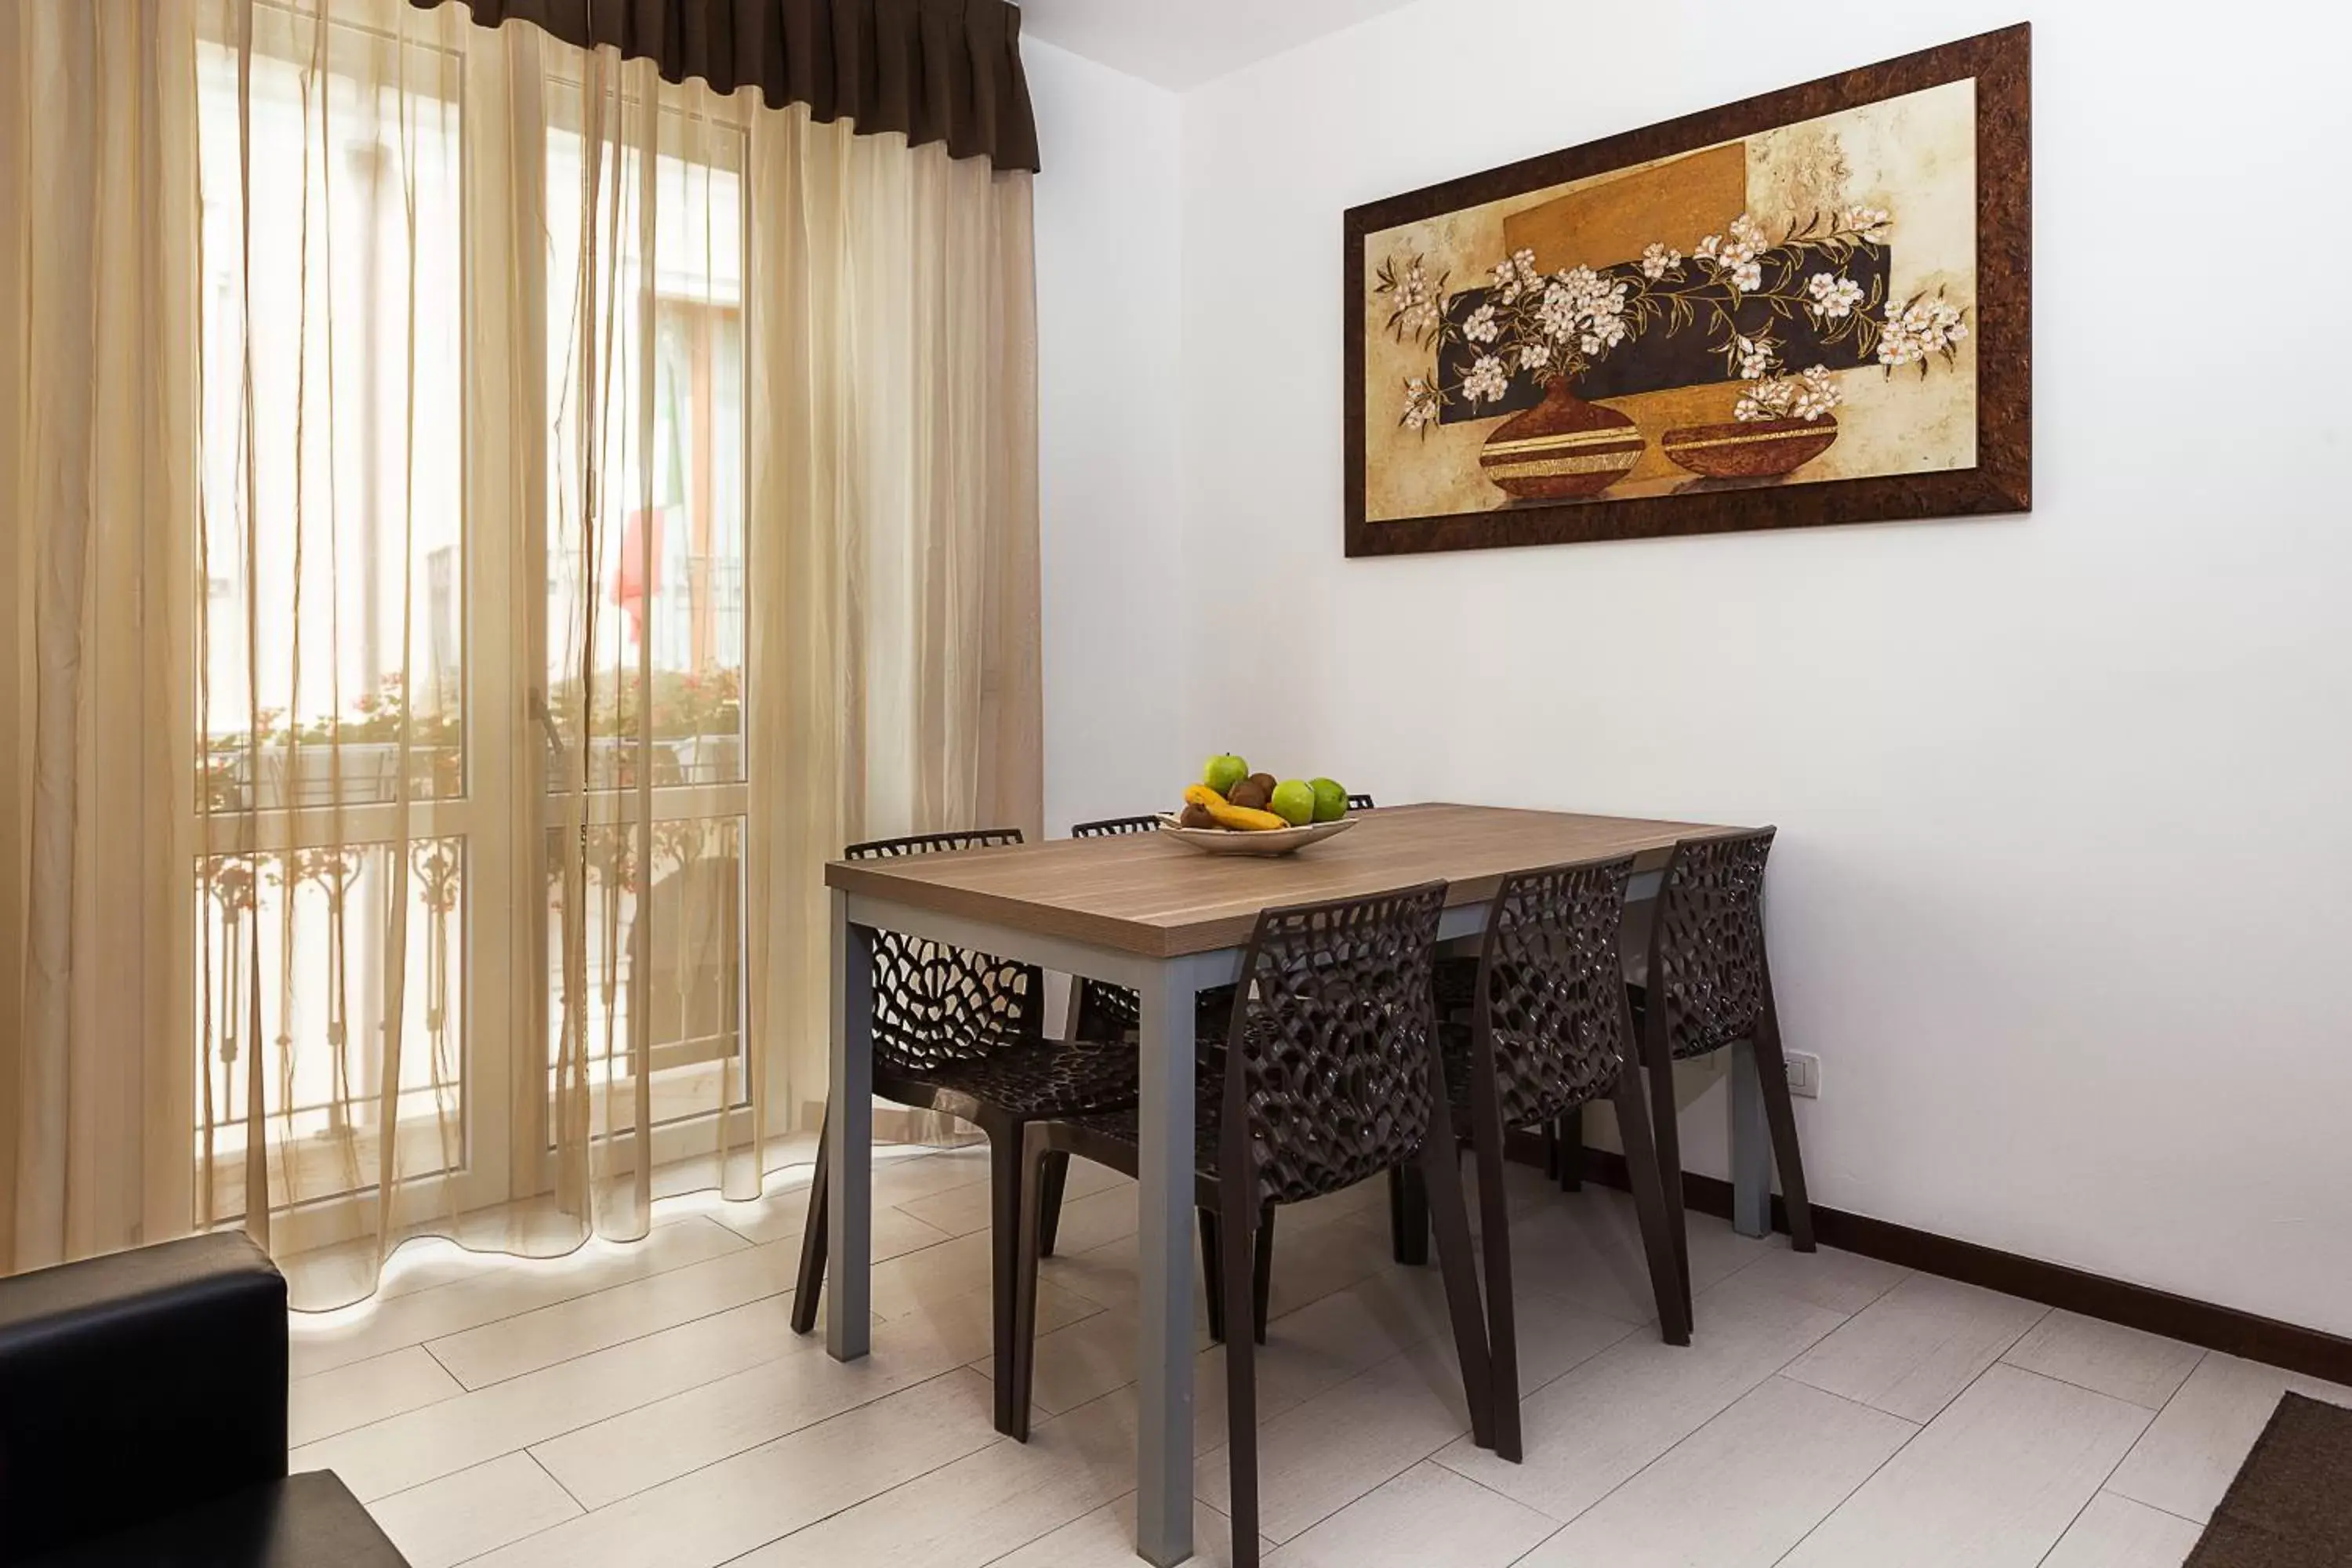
(1527, 323)
(1718, 325)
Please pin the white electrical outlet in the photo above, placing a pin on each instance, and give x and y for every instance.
(1804, 1075)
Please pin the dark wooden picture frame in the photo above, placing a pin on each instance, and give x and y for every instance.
(2000, 319)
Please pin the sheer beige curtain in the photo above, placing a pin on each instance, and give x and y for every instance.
(489, 524)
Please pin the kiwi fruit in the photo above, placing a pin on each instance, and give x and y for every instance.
(1265, 782)
(1196, 816)
(1251, 794)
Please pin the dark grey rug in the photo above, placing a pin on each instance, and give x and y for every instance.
(2291, 1506)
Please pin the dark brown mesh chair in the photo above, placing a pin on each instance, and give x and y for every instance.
(1106, 826)
(962, 1032)
(1333, 1077)
(1549, 1032)
(1698, 981)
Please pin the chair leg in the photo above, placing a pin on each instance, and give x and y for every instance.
(1018, 1376)
(1780, 1116)
(1668, 1138)
(1004, 1210)
(1440, 1170)
(1571, 1151)
(1262, 1278)
(1650, 1209)
(1057, 1176)
(1408, 1217)
(811, 1278)
(1241, 1375)
(1212, 1273)
(1502, 1328)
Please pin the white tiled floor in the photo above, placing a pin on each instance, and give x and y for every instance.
(649, 1407)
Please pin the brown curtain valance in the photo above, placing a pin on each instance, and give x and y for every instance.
(940, 70)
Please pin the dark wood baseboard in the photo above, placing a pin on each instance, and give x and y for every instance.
(2308, 1351)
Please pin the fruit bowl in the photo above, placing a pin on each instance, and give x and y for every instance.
(1267, 841)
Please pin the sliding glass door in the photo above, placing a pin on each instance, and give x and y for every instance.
(466, 812)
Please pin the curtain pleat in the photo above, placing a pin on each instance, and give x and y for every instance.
(491, 522)
(95, 464)
(929, 70)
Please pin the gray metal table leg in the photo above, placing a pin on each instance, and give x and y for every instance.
(1163, 1511)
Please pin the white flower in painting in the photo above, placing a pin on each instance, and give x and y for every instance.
(1583, 283)
(1815, 394)
(1834, 298)
(1734, 258)
(1416, 301)
(1415, 297)
(1922, 328)
(1658, 259)
(1421, 403)
(1756, 358)
(1588, 345)
(1515, 275)
(1535, 356)
(1558, 315)
(1481, 327)
(1872, 224)
(1768, 399)
(1413, 289)
(1487, 380)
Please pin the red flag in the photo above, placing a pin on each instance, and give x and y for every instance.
(638, 575)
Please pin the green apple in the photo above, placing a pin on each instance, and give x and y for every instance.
(1293, 802)
(1224, 771)
(1330, 799)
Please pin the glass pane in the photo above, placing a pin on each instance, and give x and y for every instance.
(333, 414)
(645, 585)
(688, 1001)
(291, 964)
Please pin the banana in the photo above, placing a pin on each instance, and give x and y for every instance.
(1242, 819)
(1239, 818)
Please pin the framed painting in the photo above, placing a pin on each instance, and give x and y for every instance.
(1811, 306)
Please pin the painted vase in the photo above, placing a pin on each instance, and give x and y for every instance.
(1561, 448)
(1749, 450)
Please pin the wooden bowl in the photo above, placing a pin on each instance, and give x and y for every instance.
(1239, 841)
(1749, 450)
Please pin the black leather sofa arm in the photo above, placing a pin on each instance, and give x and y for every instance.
(136, 1385)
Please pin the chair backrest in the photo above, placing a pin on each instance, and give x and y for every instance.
(1706, 967)
(1111, 824)
(1334, 1075)
(1109, 1012)
(933, 1003)
(1360, 803)
(1550, 1003)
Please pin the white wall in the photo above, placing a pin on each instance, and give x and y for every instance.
(1109, 206)
(2061, 891)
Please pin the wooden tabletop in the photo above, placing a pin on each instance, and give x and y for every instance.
(1146, 894)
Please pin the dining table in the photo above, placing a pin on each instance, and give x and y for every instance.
(1145, 912)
